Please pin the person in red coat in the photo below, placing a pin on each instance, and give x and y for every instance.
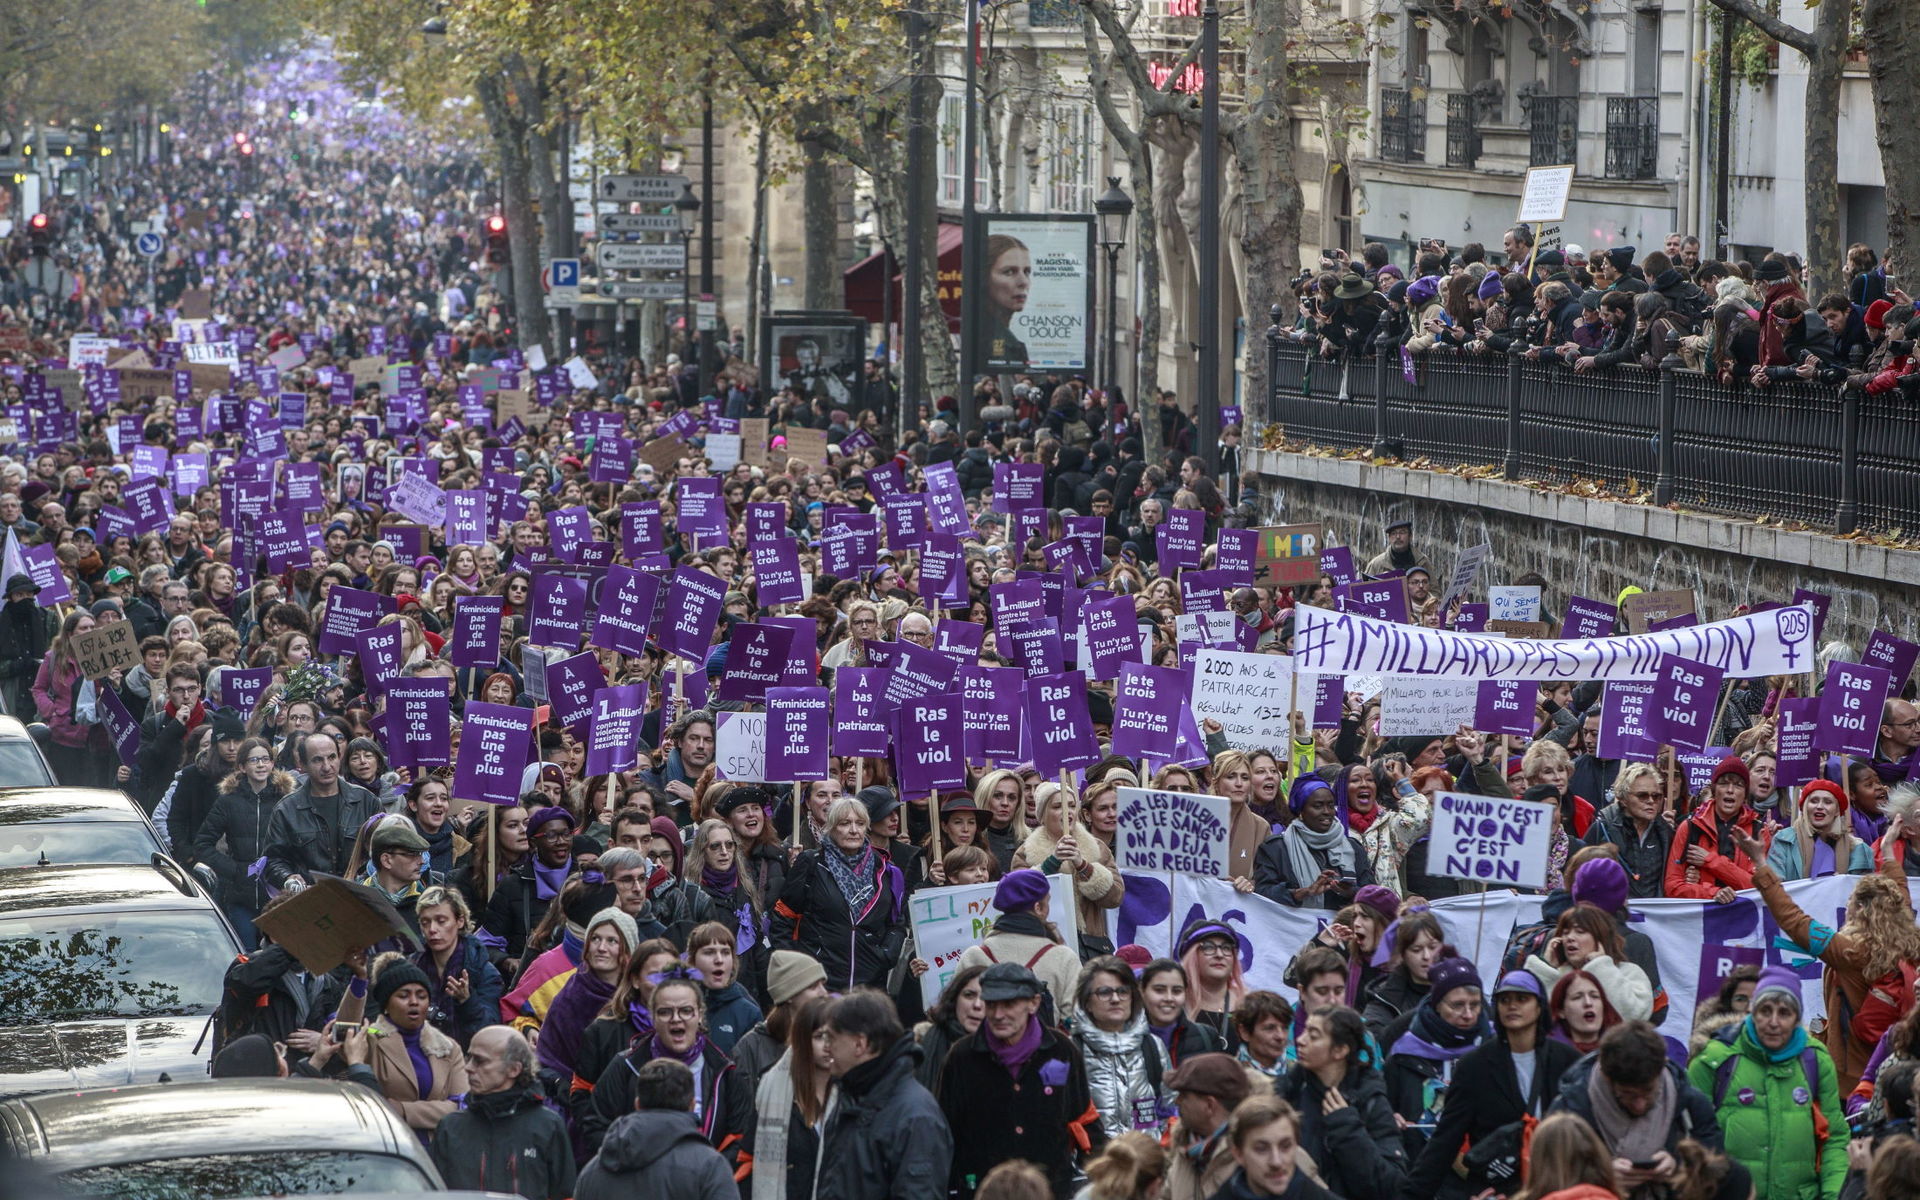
(1706, 862)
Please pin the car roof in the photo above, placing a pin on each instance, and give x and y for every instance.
(107, 888)
(31, 805)
(11, 729)
(65, 1131)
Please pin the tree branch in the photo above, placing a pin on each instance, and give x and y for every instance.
(1771, 25)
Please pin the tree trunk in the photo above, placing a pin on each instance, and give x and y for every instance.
(820, 217)
(509, 140)
(1270, 202)
(757, 257)
(1826, 252)
(1893, 33)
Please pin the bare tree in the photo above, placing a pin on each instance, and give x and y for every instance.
(1892, 29)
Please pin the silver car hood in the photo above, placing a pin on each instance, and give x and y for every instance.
(106, 1053)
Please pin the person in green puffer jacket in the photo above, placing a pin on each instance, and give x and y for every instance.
(1777, 1096)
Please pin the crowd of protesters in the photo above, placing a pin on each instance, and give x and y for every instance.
(1745, 323)
(656, 981)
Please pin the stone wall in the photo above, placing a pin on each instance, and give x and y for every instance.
(1596, 547)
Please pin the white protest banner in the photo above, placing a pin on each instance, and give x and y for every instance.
(85, 349)
(1514, 603)
(1775, 642)
(1159, 904)
(723, 451)
(212, 353)
(946, 921)
(1172, 831)
(740, 746)
(1249, 694)
(1416, 705)
(419, 499)
(580, 376)
(1490, 839)
(1210, 628)
(1466, 568)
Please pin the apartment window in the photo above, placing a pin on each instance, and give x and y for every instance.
(952, 138)
(1070, 163)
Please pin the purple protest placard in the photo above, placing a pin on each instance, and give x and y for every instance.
(756, 661)
(1035, 646)
(797, 730)
(1113, 635)
(1894, 655)
(419, 718)
(1473, 617)
(378, 650)
(995, 716)
(122, 730)
(44, 567)
(286, 539)
(959, 640)
(943, 570)
(1146, 710)
(1588, 618)
(917, 671)
(1179, 540)
(1820, 602)
(1019, 486)
(1685, 696)
(1381, 599)
(149, 462)
(1336, 563)
(351, 612)
(1797, 758)
(466, 510)
(1235, 554)
(1850, 708)
(932, 742)
(1016, 602)
(1058, 727)
(904, 519)
(642, 530)
(861, 715)
(496, 743)
(1329, 700)
(692, 608)
(1505, 706)
(571, 683)
(766, 521)
(625, 611)
(777, 574)
(240, 689)
(475, 637)
(557, 610)
(1625, 716)
(946, 504)
(569, 528)
(701, 509)
(613, 735)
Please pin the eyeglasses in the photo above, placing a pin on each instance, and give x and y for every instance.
(676, 1014)
(259, 760)
(1217, 949)
(1644, 795)
(1110, 993)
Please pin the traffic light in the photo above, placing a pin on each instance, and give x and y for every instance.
(497, 240)
(40, 233)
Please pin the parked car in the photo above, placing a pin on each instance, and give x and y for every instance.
(108, 975)
(218, 1140)
(62, 826)
(21, 762)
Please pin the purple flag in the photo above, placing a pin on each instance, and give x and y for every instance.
(613, 735)
(693, 606)
(797, 730)
(1588, 618)
(861, 714)
(1685, 696)
(351, 612)
(476, 631)
(995, 716)
(1146, 710)
(1505, 706)
(1850, 707)
(557, 610)
(756, 661)
(496, 743)
(571, 683)
(777, 574)
(932, 744)
(1058, 726)
(419, 722)
(625, 611)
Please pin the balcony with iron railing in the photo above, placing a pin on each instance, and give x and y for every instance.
(1463, 130)
(1403, 126)
(1553, 123)
(1633, 137)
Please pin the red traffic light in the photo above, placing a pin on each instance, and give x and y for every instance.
(38, 222)
(496, 224)
(240, 138)
(246, 150)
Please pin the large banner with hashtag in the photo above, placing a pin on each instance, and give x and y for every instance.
(1778, 641)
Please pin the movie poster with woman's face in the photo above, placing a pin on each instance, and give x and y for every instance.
(1036, 294)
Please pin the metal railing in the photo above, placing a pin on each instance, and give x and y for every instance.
(1463, 130)
(1554, 122)
(1791, 451)
(1633, 137)
(1403, 126)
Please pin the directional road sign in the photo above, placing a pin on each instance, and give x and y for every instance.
(150, 244)
(642, 256)
(639, 223)
(643, 189)
(640, 289)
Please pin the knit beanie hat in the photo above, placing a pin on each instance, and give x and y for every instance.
(249, 1057)
(1382, 900)
(1448, 975)
(1777, 982)
(791, 973)
(1020, 890)
(1601, 882)
(622, 924)
(396, 976)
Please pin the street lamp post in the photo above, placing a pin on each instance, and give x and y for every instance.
(1207, 398)
(1114, 209)
(687, 207)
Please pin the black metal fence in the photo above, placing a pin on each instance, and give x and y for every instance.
(1553, 125)
(1792, 451)
(1463, 131)
(1633, 137)
(1403, 135)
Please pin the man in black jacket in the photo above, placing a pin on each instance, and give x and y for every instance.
(1640, 1104)
(314, 827)
(505, 1140)
(26, 631)
(886, 1138)
(1015, 1088)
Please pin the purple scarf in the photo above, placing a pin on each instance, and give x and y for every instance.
(1822, 858)
(547, 881)
(422, 1065)
(641, 1018)
(658, 1049)
(578, 1003)
(1015, 1056)
(720, 881)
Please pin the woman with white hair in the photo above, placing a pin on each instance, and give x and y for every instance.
(844, 904)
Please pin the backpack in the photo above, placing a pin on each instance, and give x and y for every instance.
(1810, 1066)
(1527, 940)
(1889, 998)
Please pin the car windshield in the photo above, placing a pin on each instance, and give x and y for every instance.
(80, 842)
(85, 966)
(22, 766)
(276, 1173)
